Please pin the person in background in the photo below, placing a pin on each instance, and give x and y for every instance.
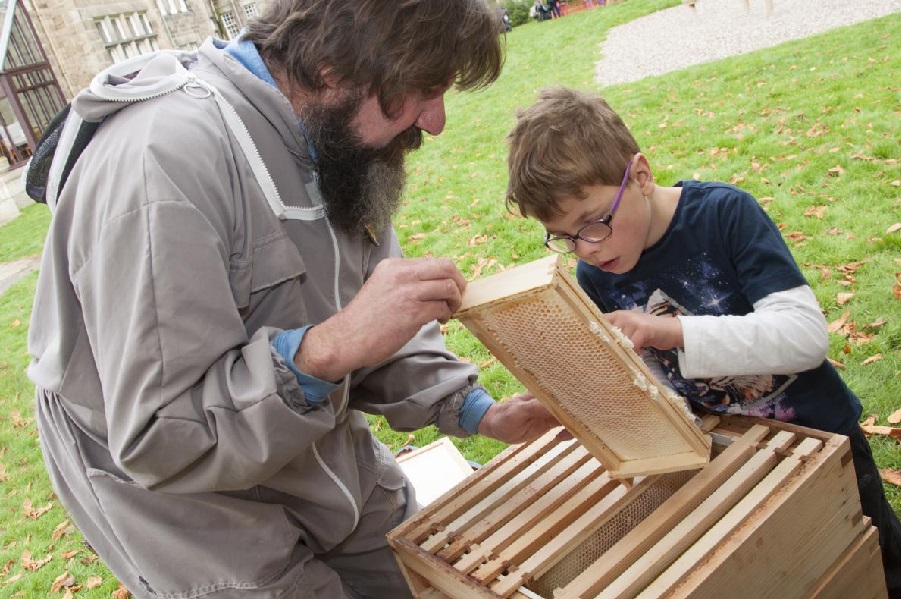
(696, 275)
(222, 296)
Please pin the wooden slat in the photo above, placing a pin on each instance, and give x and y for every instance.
(794, 536)
(499, 470)
(770, 485)
(646, 534)
(522, 521)
(497, 508)
(567, 509)
(685, 533)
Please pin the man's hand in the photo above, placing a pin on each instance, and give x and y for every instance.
(517, 420)
(648, 330)
(400, 297)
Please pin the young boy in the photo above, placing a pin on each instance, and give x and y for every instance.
(696, 274)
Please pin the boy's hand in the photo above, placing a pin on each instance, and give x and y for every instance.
(647, 330)
(517, 420)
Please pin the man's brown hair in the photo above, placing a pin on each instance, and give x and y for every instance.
(387, 47)
(567, 141)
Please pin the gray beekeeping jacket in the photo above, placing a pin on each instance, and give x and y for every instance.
(167, 420)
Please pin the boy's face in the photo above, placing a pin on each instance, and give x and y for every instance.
(631, 224)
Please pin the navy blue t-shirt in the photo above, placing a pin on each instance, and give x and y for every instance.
(720, 255)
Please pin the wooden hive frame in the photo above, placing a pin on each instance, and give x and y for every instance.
(772, 516)
(538, 323)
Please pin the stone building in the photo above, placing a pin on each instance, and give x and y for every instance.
(66, 42)
(51, 49)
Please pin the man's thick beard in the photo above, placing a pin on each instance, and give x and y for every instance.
(361, 186)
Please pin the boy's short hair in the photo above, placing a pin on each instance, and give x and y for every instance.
(565, 142)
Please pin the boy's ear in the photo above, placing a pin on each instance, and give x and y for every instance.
(642, 173)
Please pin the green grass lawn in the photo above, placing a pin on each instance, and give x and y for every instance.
(810, 127)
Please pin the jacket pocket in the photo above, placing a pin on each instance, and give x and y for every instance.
(191, 545)
(274, 260)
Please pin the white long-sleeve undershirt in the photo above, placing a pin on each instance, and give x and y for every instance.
(785, 333)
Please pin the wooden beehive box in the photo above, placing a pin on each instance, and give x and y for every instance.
(775, 514)
(539, 324)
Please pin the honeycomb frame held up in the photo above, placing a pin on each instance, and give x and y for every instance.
(538, 322)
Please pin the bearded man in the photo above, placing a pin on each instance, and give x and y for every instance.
(222, 297)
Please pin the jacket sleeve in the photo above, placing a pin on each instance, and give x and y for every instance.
(191, 403)
(422, 384)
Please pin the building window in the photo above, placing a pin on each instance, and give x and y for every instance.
(126, 35)
(230, 24)
(250, 10)
(162, 7)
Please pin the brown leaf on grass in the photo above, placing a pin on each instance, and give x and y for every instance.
(871, 359)
(882, 431)
(12, 579)
(836, 363)
(417, 236)
(892, 477)
(836, 325)
(843, 298)
(3, 475)
(15, 323)
(15, 418)
(74, 552)
(7, 567)
(817, 211)
(487, 363)
(121, 593)
(834, 231)
(869, 421)
(62, 529)
(894, 228)
(836, 171)
(481, 265)
(894, 417)
(31, 564)
(876, 324)
(93, 582)
(851, 267)
(34, 513)
(477, 240)
(796, 236)
(896, 290)
(63, 580)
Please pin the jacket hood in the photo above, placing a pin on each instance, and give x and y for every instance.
(140, 78)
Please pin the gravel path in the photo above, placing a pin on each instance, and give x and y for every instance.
(675, 38)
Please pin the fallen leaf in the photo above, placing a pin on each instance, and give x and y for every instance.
(843, 298)
(63, 580)
(836, 364)
(31, 564)
(882, 431)
(894, 417)
(893, 228)
(870, 420)
(876, 324)
(817, 211)
(121, 593)
(837, 324)
(871, 359)
(892, 477)
(34, 513)
(93, 582)
(836, 171)
(62, 529)
(3, 475)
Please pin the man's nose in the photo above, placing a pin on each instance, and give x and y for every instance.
(432, 118)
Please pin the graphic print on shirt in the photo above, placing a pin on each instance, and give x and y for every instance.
(753, 395)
